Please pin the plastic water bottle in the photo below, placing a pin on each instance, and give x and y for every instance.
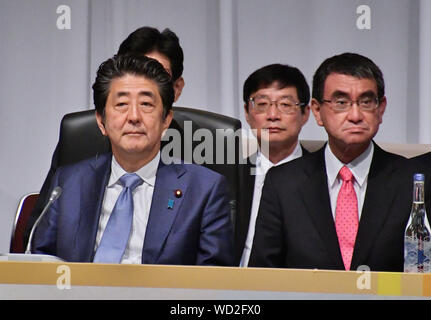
(417, 241)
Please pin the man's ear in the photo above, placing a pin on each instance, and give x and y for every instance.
(305, 115)
(382, 108)
(315, 108)
(246, 113)
(167, 120)
(178, 87)
(101, 123)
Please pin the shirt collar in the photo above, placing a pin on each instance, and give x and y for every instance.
(147, 172)
(359, 166)
(263, 164)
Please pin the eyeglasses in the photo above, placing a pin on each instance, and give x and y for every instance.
(343, 104)
(261, 104)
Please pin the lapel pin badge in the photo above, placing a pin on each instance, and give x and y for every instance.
(178, 193)
(170, 204)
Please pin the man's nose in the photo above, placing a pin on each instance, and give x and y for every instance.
(355, 113)
(273, 112)
(133, 112)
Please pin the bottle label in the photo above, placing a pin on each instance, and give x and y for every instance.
(417, 255)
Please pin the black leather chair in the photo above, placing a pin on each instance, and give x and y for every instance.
(80, 138)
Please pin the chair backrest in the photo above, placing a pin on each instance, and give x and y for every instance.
(80, 138)
(215, 138)
(212, 140)
(22, 215)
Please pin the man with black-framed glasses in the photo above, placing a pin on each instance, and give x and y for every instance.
(347, 204)
(276, 105)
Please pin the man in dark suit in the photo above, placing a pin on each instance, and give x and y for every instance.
(423, 160)
(276, 107)
(128, 206)
(164, 47)
(347, 204)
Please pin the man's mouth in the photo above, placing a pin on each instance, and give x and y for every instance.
(356, 129)
(274, 129)
(134, 133)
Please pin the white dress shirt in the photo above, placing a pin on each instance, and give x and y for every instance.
(263, 164)
(359, 167)
(142, 197)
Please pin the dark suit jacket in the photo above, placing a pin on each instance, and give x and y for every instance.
(296, 229)
(196, 231)
(423, 159)
(244, 204)
(56, 162)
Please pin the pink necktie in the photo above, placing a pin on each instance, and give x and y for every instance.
(346, 216)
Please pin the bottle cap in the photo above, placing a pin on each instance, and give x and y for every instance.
(419, 177)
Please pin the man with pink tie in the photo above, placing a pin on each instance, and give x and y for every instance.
(347, 204)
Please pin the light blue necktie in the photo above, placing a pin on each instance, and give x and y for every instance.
(117, 231)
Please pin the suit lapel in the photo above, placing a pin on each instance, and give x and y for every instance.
(379, 195)
(92, 194)
(304, 151)
(249, 181)
(164, 209)
(315, 196)
(242, 219)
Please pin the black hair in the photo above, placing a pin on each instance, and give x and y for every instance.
(147, 39)
(282, 75)
(140, 65)
(351, 64)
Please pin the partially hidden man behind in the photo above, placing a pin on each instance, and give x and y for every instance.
(347, 204)
(127, 206)
(276, 107)
(164, 47)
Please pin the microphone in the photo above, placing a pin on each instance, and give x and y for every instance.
(27, 256)
(53, 196)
